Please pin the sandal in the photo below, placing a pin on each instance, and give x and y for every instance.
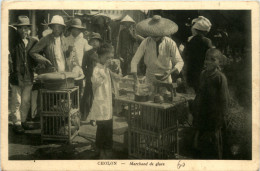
(18, 129)
(27, 126)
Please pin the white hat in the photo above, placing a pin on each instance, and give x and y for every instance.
(57, 19)
(127, 18)
(201, 23)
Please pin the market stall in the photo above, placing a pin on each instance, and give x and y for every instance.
(152, 125)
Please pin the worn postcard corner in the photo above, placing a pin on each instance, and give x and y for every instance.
(130, 85)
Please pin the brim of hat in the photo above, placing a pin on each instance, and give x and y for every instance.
(102, 15)
(15, 25)
(56, 23)
(95, 38)
(74, 26)
(164, 27)
(127, 22)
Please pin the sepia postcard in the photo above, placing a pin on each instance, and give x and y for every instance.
(130, 85)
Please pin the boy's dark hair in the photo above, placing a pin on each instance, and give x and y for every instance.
(105, 48)
(215, 53)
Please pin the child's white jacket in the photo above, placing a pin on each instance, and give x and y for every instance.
(102, 89)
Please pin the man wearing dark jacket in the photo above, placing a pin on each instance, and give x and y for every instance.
(126, 39)
(21, 75)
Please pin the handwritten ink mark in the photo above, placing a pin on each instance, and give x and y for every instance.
(179, 165)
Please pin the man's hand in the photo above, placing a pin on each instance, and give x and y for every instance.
(132, 30)
(93, 123)
(136, 82)
(121, 59)
(45, 61)
(168, 73)
(181, 48)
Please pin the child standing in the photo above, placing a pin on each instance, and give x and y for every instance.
(211, 106)
(101, 111)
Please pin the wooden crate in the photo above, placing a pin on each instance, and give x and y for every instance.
(59, 101)
(150, 118)
(151, 145)
(59, 111)
(153, 123)
(59, 127)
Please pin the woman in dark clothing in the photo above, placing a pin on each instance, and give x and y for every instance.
(194, 53)
(88, 63)
(211, 104)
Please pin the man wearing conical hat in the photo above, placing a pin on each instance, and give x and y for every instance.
(161, 55)
(54, 48)
(21, 74)
(125, 45)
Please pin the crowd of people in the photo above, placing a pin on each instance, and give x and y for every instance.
(197, 65)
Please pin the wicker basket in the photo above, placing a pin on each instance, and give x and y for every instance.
(151, 145)
(59, 111)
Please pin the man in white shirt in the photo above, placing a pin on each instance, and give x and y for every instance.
(78, 45)
(160, 53)
(54, 48)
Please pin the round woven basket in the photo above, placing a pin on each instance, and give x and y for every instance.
(59, 84)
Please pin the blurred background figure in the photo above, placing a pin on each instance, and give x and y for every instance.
(125, 45)
(89, 61)
(46, 29)
(195, 51)
(77, 47)
(101, 25)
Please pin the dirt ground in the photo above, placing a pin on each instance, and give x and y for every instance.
(29, 146)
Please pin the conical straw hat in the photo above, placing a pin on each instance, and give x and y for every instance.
(127, 18)
(156, 26)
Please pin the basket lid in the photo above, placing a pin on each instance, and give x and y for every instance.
(57, 76)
